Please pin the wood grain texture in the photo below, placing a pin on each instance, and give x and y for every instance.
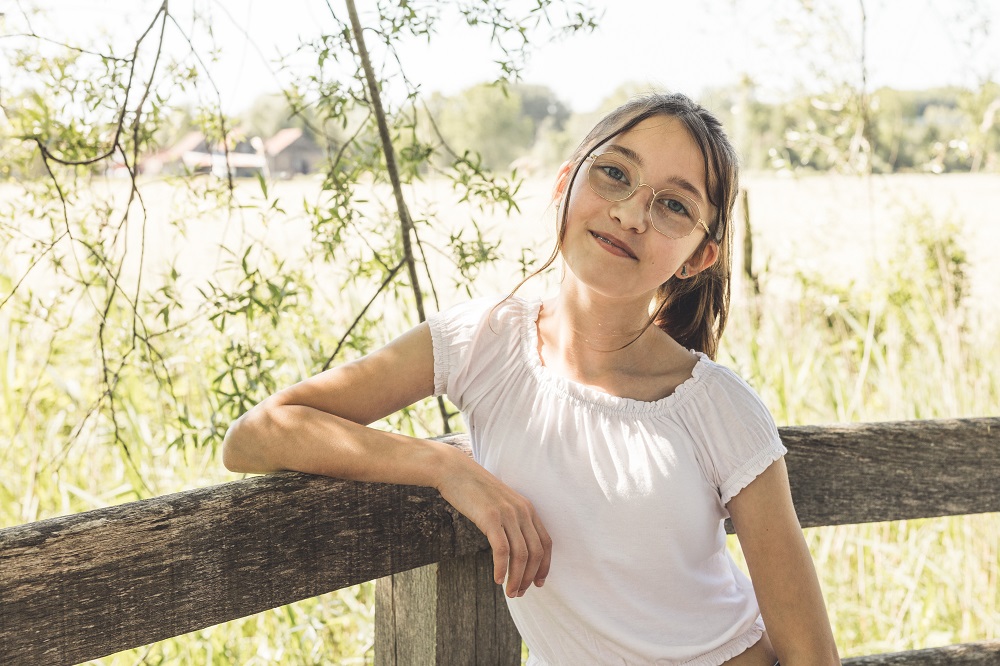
(867, 472)
(474, 625)
(87, 585)
(969, 654)
(405, 621)
(444, 614)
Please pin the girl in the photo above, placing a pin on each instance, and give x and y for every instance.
(609, 448)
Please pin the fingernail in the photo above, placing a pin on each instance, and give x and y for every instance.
(540, 582)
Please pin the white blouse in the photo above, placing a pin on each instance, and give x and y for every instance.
(632, 493)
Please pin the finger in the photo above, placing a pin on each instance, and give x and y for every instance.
(543, 567)
(518, 560)
(539, 553)
(535, 553)
(501, 551)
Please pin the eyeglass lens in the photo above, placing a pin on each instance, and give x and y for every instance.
(614, 178)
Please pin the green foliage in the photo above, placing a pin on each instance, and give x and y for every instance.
(860, 345)
(79, 114)
(937, 130)
(122, 364)
(500, 122)
(901, 343)
(491, 120)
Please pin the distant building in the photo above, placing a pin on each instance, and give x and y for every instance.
(291, 152)
(241, 156)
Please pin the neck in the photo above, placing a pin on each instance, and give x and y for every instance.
(593, 335)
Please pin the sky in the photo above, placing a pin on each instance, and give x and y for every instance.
(673, 44)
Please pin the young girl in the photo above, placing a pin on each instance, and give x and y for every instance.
(609, 448)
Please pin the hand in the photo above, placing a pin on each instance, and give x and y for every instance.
(522, 549)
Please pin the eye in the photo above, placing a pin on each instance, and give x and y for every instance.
(614, 172)
(674, 206)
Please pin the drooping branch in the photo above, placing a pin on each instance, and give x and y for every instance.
(865, 130)
(364, 310)
(406, 223)
(120, 123)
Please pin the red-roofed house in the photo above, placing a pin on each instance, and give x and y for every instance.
(291, 152)
(193, 154)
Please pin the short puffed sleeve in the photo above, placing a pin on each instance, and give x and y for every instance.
(452, 332)
(734, 432)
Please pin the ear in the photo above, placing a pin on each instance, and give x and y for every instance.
(700, 260)
(562, 177)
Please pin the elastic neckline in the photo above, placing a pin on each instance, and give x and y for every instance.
(528, 323)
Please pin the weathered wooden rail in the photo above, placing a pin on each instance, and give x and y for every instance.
(82, 586)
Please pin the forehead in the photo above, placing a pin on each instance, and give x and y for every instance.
(667, 152)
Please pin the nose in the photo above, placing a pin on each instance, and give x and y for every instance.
(631, 211)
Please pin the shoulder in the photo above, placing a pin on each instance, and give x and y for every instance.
(460, 318)
(478, 308)
(732, 428)
(724, 386)
(490, 321)
(473, 308)
(473, 341)
(725, 408)
(492, 313)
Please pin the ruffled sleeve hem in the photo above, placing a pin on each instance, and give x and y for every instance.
(440, 347)
(751, 470)
(452, 331)
(733, 648)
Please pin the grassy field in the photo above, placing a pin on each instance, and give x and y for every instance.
(887, 286)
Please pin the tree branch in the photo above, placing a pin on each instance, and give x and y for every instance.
(343, 339)
(390, 165)
(390, 157)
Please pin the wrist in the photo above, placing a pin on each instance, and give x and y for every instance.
(445, 463)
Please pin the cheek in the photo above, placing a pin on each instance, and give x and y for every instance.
(665, 268)
(582, 198)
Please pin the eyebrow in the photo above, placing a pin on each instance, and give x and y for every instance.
(680, 181)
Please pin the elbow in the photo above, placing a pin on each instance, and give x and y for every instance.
(232, 456)
(244, 447)
(230, 448)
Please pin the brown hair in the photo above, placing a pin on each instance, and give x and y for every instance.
(692, 311)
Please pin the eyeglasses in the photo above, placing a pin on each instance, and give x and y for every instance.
(672, 213)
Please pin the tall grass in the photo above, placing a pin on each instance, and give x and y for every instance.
(902, 344)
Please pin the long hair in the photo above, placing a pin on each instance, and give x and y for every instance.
(693, 311)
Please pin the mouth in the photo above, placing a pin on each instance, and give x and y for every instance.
(614, 245)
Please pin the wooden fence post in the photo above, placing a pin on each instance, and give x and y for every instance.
(449, 613)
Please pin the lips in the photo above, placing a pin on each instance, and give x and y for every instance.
(610, 240)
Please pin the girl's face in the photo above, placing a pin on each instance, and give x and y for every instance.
(612, 247)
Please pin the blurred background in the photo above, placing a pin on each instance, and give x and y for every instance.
(196, 209)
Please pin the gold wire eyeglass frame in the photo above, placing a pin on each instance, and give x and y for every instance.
(593, 159)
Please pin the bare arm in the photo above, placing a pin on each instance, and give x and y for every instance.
(319, 426)
(315, 426)
(782, 570)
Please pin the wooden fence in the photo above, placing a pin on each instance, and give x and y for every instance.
(83, 586)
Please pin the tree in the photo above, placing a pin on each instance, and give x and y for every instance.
(151, 361)
(490, 119)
